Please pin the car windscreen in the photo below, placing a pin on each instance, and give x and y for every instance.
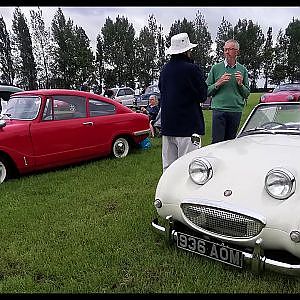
(274, 118)
(23, 107)
(152, 89)
(287, 87)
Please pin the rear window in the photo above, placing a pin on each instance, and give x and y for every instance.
(101, 108)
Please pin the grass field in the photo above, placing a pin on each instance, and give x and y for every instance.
(86, 229)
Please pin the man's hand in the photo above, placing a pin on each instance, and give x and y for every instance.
(239, 77)
(223, 79)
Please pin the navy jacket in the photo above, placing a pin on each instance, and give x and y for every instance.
(182, 88)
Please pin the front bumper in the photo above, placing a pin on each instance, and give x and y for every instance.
(255, 261)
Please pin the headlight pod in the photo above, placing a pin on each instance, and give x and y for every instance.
(280, 183)
(263, 98)
(200, 170)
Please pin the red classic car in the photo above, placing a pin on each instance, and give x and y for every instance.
(283, 93)
(42, 129)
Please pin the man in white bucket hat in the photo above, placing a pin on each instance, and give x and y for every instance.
(182, 88)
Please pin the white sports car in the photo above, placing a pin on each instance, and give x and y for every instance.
(238, 201)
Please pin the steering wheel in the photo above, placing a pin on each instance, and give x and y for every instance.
(271, 125)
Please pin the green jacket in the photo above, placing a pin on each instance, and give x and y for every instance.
(230, 96)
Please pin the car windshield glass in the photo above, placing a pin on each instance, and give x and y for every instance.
(274, 118)
(23, 108)
(287, 87)
(152, 89)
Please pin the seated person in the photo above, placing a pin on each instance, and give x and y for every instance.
(156, 124)
(151, 110)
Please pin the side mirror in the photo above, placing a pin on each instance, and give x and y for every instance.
(196, 139)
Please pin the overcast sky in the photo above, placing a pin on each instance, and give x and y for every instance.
(91, 19)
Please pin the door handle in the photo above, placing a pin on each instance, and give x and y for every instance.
(88, 123)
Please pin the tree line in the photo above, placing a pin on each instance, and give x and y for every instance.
(33, 56)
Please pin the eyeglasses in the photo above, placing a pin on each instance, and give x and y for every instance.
(229, 49)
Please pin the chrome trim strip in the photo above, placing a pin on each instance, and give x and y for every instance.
(256, 261)
(141, 132)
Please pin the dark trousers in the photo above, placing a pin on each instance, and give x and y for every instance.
(224, 125)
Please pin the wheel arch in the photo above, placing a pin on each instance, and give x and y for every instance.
(13, 171)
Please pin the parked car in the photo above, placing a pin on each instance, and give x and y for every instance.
(124, 95)
(143, 100)
(282, 93)
(237, 201)
(5, 92)
(43, 129)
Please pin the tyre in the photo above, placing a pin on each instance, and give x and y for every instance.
(120, 148)
(4, 169)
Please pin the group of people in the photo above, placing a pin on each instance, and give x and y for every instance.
(183, 87)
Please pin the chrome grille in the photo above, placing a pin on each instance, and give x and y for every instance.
(220, 221)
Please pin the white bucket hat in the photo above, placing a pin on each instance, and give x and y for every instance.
(180, 43)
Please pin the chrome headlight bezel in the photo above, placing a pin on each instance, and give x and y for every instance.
(200, 170)
(285, 181)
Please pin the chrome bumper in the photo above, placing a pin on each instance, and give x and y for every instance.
(255, 261)
(141, 132)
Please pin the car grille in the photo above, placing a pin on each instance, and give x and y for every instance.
(223, 222)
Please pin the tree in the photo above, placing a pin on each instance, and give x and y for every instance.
(224, 33)
(292, 33)
(251, 39)
(279, 71)
(179, 27)
(26, 67)
(202, 53)
(41, 49)
(118, 50)
(83, 56)
(268, 53)
(73, 60)
(6, 62)
(99, 64)
(145, 57)
(161, 44)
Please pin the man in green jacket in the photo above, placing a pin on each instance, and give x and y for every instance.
(228, 85)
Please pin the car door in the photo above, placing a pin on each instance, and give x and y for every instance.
(107, 124)
(64, 134)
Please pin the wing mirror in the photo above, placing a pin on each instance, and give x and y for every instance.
(196, 139)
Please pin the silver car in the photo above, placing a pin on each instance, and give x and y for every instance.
(124, 95)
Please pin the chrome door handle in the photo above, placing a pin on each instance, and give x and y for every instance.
(88, 123)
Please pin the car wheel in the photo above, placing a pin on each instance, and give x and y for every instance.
(120, 148)
(4, 169)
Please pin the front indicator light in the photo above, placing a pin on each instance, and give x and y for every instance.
(280, 183)
(157, 203)
(295, 236)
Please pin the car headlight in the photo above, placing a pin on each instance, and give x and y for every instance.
(290, 97)
(280, 183)
(262, 98)
(200, 170)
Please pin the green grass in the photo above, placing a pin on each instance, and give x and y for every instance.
(86, 229)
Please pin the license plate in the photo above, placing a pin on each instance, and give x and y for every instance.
(210, 249)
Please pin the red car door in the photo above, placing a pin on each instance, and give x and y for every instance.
(64, 134)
